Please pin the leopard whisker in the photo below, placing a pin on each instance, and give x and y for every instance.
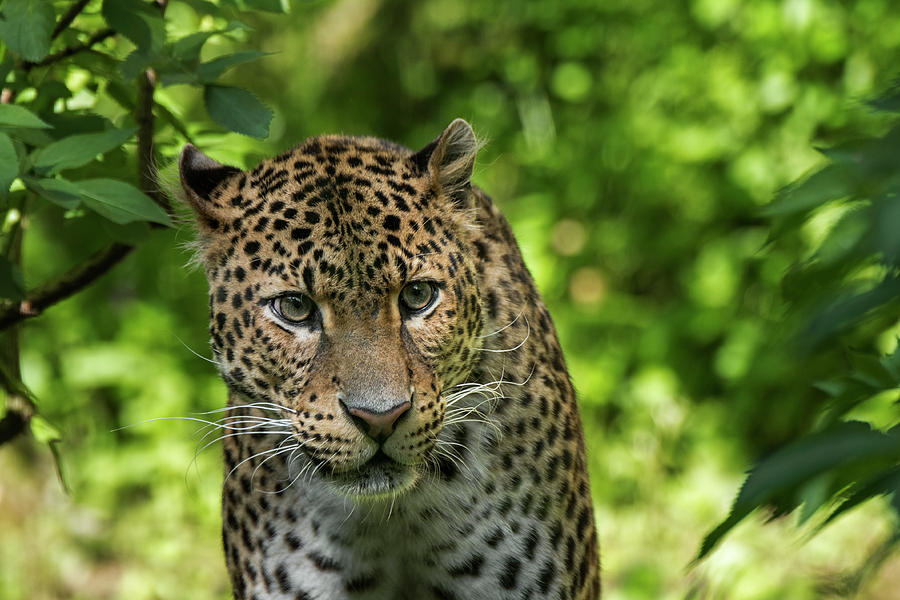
(510, 324)
(516, 347)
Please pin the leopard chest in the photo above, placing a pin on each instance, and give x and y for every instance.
(463, 534)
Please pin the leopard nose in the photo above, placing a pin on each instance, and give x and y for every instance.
(377, 425)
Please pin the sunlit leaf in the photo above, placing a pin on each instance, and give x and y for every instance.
(43, 431)
(19, 116)
(77, 150)
(121, 202)
(26, 26)
(237, 109)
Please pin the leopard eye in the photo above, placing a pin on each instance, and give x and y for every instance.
(293, 308)
(418, 295)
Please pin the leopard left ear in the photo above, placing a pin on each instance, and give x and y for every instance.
(200, 175)
(449, 159)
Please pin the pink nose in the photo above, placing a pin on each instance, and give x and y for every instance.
(377, 425)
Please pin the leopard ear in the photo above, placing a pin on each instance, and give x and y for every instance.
(200, 176)
(449, 159)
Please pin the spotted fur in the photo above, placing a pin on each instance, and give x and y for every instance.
(481, 490)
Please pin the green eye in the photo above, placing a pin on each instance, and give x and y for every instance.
(293, 308)
(418, 295)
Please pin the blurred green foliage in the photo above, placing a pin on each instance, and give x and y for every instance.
(633, 145)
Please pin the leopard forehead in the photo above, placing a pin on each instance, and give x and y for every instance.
(343, 219)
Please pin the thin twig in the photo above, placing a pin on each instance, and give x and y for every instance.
(68, 284)
(67, 18)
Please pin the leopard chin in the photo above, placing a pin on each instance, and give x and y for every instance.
(380, 477)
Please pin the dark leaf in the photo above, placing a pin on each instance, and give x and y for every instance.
(77, 150)
(26, 26)
(18, 116)
(830, 183)
(886, 482)
(121, 202)
(139, 21)
(12, 286)
(210, 71)
(889, 101)
(237, 109)
(799, 462)
(58, 191)
(9, 164)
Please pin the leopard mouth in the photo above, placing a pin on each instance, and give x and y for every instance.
(379, 477)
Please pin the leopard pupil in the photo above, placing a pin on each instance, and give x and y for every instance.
(294, 308)
(417, 295)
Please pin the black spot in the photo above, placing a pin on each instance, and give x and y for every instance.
(508, 579)
(251, 247)
(312, 217)
(443, 593)
(546, 576)
(323, 563)
(293, 542)
(470, 567)
(361, 583)
(300, 233)
(284, 581)
(391, 223)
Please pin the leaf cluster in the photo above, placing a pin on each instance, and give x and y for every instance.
(850, 280)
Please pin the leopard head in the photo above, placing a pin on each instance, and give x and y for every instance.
(343, 290)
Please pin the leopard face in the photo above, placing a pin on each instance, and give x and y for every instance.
(343, 290)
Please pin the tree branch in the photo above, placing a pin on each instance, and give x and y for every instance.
(67, 18)
(19, 410)
(71, 50)
(68, 284)
(146, 152)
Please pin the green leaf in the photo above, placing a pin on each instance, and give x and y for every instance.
(139, 21)
(77, 150)
(58, 191)
(17, 116)
(847, 311)
(9, 164)
(26, 26)
(275, 6)
(210, 71)
(188, 48)
(237, 109)
(891, 363)
(12, 285)
(43, 431)
(801, 461)
(889, 101)
(830, 183)
(121, 202)
(886, 482)
(136, 62)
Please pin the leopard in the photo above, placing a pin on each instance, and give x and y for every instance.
(400, 423)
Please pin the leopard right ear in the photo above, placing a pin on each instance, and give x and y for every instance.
(200, 177)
